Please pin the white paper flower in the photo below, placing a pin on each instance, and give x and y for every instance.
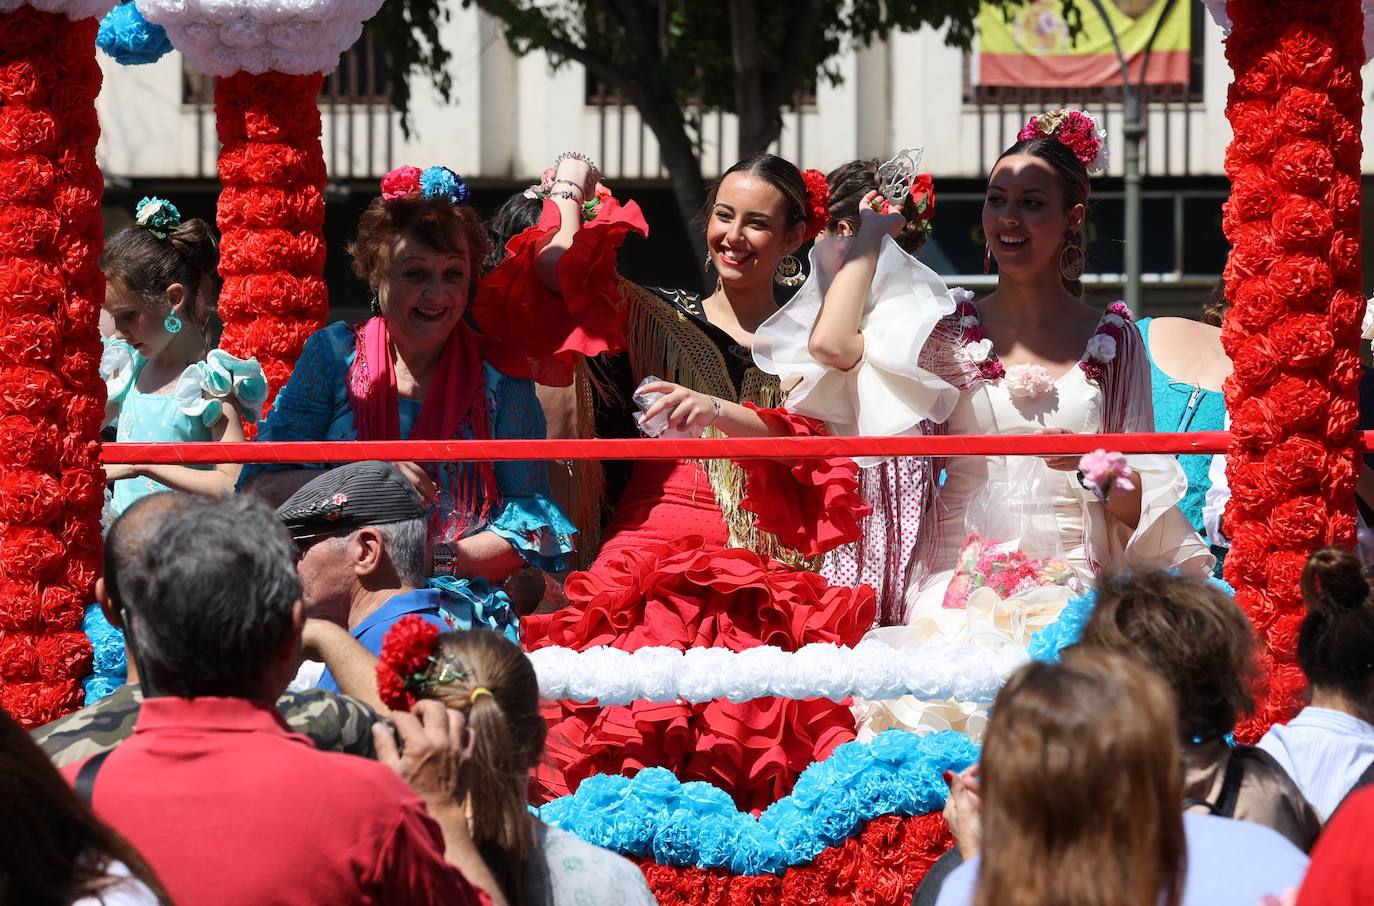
(977, 352)
(1366, 327)
(960, 295)
(75, 10)
(1115, 320)
(968, 321)
(1028, 381)
(1102, 348)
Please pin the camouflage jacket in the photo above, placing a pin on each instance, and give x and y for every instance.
(336, 723)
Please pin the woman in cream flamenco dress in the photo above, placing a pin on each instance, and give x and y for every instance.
(874, 345)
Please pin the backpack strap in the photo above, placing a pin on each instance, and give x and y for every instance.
(1225, 804)
(84, 785)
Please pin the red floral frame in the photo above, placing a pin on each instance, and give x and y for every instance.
(1293, 328)
(51, 395)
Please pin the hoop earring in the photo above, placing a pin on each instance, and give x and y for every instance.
(375, 305)
(706, 265)
(788, 272)
(987, 259)
(1072, 261)
(171, 324)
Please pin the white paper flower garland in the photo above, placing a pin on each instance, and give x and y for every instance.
(298, 37)
(870, 670)
(75, 10)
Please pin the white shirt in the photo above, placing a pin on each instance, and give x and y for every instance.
(127, 892)
(1324, 751)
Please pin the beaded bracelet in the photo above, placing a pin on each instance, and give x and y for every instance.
(570, 196)
(568, 182)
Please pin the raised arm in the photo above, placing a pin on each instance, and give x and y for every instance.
(574, 181)
(835, 339)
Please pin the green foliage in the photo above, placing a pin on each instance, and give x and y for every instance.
(409, 30)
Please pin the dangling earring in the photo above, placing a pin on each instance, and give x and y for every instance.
(1071, 260)
(706, 265)
(375, 305)
(788, 272)
(987, 259)
(171, 323)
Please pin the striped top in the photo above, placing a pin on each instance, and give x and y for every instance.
(1324, 751)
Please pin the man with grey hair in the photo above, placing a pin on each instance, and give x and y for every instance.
(225, 803)
(362, 539)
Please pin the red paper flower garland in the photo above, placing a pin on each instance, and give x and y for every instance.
(51, 396)
(271, 215)
(1293, 280)
(880, 867)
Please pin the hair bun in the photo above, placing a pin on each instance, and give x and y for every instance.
(1334, 581)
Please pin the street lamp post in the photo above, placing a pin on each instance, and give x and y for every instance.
(1134, 130)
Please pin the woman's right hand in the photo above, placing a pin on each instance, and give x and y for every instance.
(963, 810)
(877, 213)
(419, 478)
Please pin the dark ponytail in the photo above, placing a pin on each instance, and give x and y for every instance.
(1336, 641)
(1073, 179)
(500, 696)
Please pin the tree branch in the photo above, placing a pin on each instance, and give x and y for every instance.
(801, 33)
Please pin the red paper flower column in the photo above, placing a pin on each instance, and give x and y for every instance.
(1293, 280)
(51, 396)
(271, 215)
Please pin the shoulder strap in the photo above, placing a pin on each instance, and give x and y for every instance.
(1230, 784)
(85, 778)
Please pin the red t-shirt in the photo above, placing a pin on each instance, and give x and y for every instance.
(230, 807)
(1341, 872)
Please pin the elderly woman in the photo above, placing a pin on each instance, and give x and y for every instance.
(415, 370)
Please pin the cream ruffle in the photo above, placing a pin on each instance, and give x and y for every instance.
(887, 393)
(1163, 538)
(118, 368)
(987, 620)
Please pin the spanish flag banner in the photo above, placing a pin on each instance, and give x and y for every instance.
(1034, 50)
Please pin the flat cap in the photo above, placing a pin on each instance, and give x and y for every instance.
(348, 498)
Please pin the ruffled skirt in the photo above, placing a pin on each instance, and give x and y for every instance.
(687, 593)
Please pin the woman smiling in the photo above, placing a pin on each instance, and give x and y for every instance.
(415, 370)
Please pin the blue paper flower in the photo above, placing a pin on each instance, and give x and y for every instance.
(441, 182)
(898, 773)
(131, 39)
(110, 668)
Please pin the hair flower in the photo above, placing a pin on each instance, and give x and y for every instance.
(1074, 129)
(1101, 348)
(157, 215)
(817, 202)
(400, 182)
(441, 182)
(403, 667)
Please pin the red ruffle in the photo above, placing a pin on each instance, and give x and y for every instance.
(811, 505)
(882, 866)
(535, 333)
(683, 595)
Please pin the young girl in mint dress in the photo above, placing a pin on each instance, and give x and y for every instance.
(164, 380)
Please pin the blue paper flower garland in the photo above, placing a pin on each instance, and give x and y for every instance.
(695, 823)
(131, 39)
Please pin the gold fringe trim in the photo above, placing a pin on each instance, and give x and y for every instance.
(665, 342)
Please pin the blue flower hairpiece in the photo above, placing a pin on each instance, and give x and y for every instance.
(157, 215)
(441, 182)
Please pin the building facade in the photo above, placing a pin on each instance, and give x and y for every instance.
(511, 116)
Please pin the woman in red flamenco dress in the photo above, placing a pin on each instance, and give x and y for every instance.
(694, 554)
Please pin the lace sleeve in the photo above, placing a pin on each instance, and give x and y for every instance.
(527, 517)
(312, 398)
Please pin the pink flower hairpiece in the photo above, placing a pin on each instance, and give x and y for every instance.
(1074, 129)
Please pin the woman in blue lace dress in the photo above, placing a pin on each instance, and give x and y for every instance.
(415, 370)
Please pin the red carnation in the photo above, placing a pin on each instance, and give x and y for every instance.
(406, 652)
(817, 202)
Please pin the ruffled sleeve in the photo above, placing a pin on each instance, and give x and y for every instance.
(527, 517)
(888, 392)
(531, 331)
(119, 366)
(811, 505)
(1163, 538)
(203, 388)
